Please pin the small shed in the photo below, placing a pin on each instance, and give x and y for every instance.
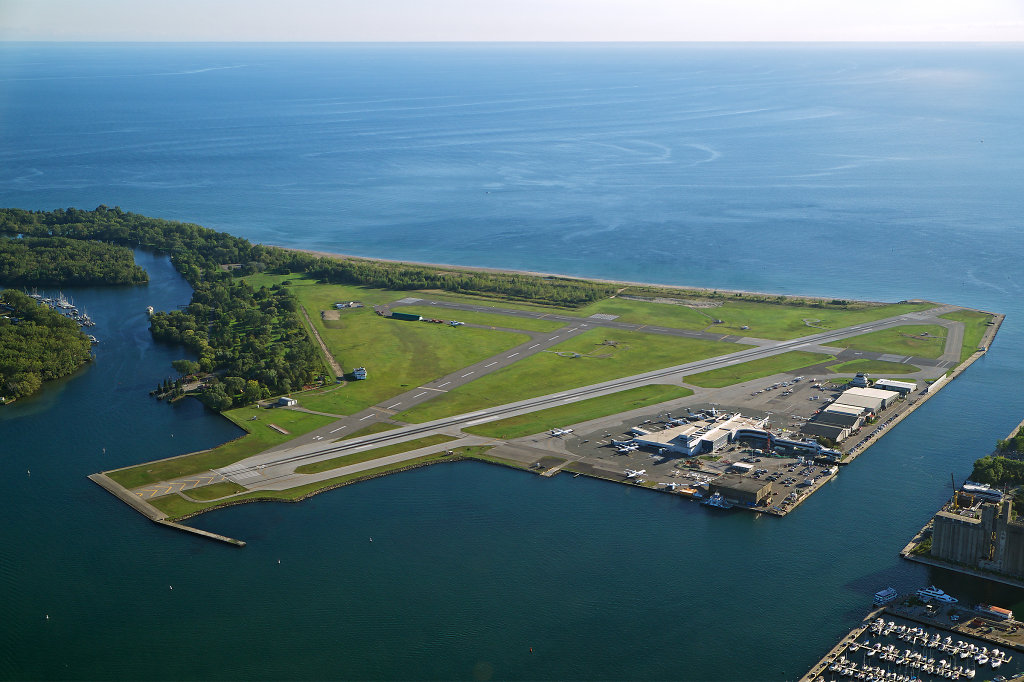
(285, 401)
(359, 373)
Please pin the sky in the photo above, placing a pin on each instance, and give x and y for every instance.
(512, 20)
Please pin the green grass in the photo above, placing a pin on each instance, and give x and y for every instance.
(215, 491)
(259, 439)
(904, 340)
(367, 455)
(765, 320)
(533, 324)
(547, 372)
(975, 323)
(873, 367)
(398, 355)
(176, 506)
(756, 369)
(584, 410)
(379, 427)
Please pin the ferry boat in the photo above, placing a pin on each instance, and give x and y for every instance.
(885, 596)
(718, 501)
(933, 593)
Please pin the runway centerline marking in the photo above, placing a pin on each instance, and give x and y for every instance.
(366, 417)
(491, 363)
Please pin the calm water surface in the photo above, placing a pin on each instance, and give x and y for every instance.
(878, 172)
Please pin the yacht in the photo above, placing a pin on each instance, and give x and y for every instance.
(885, 596)
(933, 593)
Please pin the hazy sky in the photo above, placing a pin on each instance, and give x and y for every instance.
(521, 20)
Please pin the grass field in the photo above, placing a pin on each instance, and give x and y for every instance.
(584, 410)
(975, 324)
(905, 340)
(755, 369)
(547, 372)
(532, 324)
(398, 355)
(873, 367)
(215, 491)
(765, 320)
(377, 453)
(260, 438)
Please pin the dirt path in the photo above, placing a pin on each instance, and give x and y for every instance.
(338, 371)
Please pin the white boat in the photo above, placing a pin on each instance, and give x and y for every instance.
(933, 593)
(885, 596)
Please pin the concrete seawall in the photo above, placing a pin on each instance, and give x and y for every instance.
(151, 512)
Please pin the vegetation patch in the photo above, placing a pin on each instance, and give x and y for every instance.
(922, 340)
(975, 324)
(574, 413)
(873, 367)
(592, 357)
(397, 355)
(998, 471)
(215, 491)
(757, 369)
(367, 455)
(259, 439)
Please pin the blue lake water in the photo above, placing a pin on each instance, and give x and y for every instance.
(874, 172)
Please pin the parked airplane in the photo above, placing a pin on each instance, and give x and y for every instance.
(560, 432)
(626, 449)
(633, 473)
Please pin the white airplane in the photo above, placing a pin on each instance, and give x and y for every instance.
(625, 449)
(560, 432)
(671, 486)
(633, 473)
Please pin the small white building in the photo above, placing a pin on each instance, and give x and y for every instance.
(359, 373)
(285, 401)
(901, 387)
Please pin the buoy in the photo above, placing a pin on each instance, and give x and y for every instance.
(171, 586)
(104, 451)
(47, 616)
(29, 472)
(278, 561)
(531, 649)
(371, 539)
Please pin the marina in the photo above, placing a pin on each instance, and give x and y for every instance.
(65, 307)
(918, 640)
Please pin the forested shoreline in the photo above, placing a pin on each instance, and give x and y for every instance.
(57, 261)
(36, 345)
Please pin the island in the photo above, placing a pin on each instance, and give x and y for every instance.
(342, 368)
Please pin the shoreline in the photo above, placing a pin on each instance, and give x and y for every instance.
(535, 273)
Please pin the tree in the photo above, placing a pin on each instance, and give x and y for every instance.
(184, 367)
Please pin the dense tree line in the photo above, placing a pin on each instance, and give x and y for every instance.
(254, 338)
(36, 344)
(200, 252)
(57, 261)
